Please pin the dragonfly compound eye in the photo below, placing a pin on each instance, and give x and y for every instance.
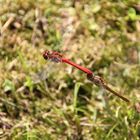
(46, 55)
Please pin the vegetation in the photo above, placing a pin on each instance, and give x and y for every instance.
(41, 100)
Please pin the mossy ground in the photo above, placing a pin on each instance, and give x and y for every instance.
(40, 100)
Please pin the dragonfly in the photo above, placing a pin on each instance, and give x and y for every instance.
(97, 80)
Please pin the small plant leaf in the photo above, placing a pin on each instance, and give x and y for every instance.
(8, 85)
(76, 90)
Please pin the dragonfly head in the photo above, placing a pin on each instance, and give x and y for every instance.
(46, 54)
(53, 56)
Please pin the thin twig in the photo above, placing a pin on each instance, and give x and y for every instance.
(6, 25)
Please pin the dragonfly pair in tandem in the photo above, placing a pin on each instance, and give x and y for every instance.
(57, 57)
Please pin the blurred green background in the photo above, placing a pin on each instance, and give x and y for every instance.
(41, 100)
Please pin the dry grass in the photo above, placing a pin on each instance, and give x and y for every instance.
(47, 101)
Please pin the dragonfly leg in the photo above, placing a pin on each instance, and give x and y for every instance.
(97, 80)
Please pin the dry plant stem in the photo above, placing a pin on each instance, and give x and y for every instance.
(100, 82)
(57, 57)
(117, 94)
(6, 25)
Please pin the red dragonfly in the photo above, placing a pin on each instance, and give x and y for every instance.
(57, 57)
